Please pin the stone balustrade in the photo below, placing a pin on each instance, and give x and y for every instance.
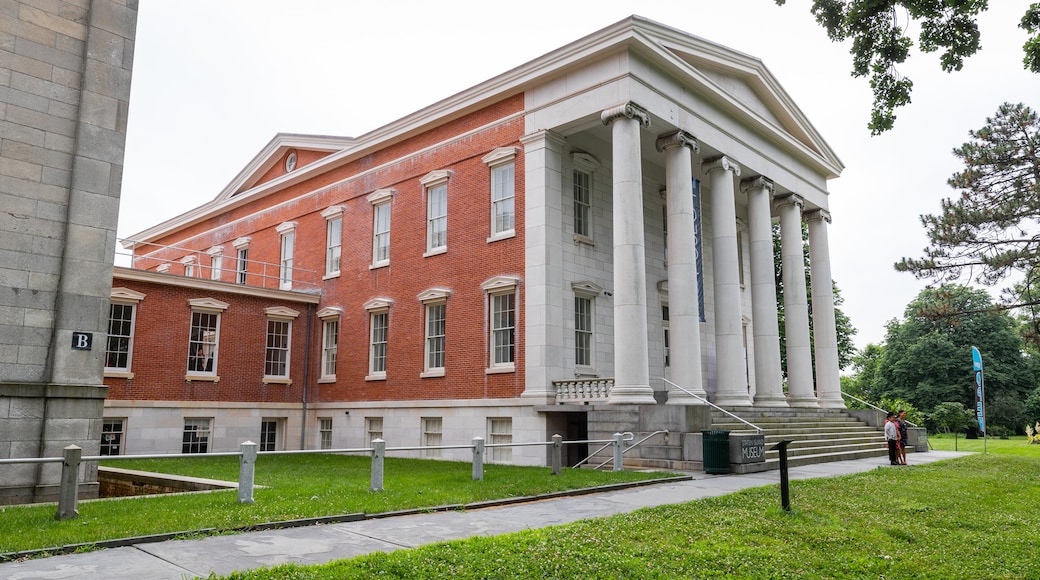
(578, 391)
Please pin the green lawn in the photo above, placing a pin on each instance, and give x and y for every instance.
(973, 517)
(298, 486)
(1014, 446)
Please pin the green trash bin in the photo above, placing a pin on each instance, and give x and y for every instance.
(716, 451)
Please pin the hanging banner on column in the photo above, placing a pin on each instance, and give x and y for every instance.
(980, 392)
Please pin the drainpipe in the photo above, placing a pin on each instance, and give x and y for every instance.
(306, 375)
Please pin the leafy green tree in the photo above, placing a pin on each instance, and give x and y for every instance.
(878, 29)
(951, 417)
(863, 383)
(988, 231)
(927, 355)
(842, 323)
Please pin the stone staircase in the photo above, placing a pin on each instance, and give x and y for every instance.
(816, 435)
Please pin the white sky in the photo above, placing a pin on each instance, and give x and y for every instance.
(215, 81)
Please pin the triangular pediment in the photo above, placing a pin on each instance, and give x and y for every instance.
(283, 156)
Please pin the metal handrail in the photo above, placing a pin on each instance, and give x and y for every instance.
(626, 436)
(624, 450)
(712, 405)
(873, 406)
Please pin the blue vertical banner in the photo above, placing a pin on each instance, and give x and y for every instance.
(980, 391)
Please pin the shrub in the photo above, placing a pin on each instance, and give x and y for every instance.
(1033, 434)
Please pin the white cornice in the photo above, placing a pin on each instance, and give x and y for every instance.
(281, 312)
(121, 273)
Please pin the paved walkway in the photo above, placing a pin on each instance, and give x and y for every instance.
(179, 559)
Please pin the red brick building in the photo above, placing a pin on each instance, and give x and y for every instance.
(495, 264)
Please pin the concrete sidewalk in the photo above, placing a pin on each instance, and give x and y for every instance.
(178, 559)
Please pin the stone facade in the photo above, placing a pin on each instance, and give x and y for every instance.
(64, 90)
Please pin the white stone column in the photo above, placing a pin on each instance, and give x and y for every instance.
(543, 264)
(796, 304)
(825, 335)
(684, 318)
(769, 380)
(631, 350)
(731, 366)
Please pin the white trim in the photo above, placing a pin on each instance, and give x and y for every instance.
(333, 211)
(381, 196)
(585, 161)
(281, 312)
(500, 156)
(379, 303)
(207, 305)
(216, 251)
(586, 288)
(126, 295)
(434, 295)
(242, 242)
(500, 284)
(123, 273)
(435, 177)
(330, 312)
(286, 227)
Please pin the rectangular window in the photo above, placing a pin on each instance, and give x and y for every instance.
(189, 268)
(285, 270)
(374, 426)
(276, 360)
(119, 345)
(112, 437)
(432, 436)
(503, 216)
(503, 326)
(242, 265)
(204, 343)
(582, 204)
(664, 324)
(325, 432)
(583, 331)
(500, 431)
(330, 337)
(381, 234)
(435, 336)
(437, 217)
(215, 266)
(333, 246)
(196, 436)
(377, 351)
(269, 435)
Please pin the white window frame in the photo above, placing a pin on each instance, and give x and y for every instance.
(502, 191)
(278, 344)
(433, 299)
(432, 436)
(216, 262)
(241, 259)
(495, 289)
(189, 266)
(116, 437)
(378, 337)
(329, 316)
(209, 358)
(374, 428)
(333, 241)
(500, 431)
(324, 432)
(585, 166)
(666, 332)
(200, 426)
(270, 440)
(124, 298)
(287, 245)
(585, 291)
(381, 215)
(435, 185)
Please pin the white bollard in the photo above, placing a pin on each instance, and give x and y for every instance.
(378, 453)
(69, 492)
(246, 472)
(618, 449)
(557, 454)
(478, 459)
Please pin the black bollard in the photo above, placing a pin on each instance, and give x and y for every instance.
(785, 488)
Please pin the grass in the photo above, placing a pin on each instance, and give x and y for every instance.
(972, 517)
(1016, 445)
(298, 486)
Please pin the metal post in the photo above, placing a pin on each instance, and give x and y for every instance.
(478, 459)
(246, 472)
(618, 443)
(378, 453)
(785, 489)
(557, 454)
(69, 492)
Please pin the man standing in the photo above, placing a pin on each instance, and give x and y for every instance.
(901, 426)
(892, 437)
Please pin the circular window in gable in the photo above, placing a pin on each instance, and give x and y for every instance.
(290, 161)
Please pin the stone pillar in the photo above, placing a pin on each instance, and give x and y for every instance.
(796, 305)
(731, 369)
(631, 352)
(543, 269)
(768, 374)
(828, 383)
(684, 318)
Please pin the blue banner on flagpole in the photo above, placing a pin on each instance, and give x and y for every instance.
(980, 392)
